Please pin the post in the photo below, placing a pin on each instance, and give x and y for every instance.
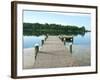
(64, 41)
(36, 51)
(42, 42)
(46, 37)
(71, 48)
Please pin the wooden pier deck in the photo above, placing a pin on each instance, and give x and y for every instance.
(54, 54)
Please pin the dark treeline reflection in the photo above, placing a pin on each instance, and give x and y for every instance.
(52, 29)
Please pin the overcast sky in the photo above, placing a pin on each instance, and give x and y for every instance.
(76, 19)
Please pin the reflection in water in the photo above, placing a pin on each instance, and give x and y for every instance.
(68, 41)
(79, 47)
(32, 41)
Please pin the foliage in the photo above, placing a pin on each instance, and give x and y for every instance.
(52, 29)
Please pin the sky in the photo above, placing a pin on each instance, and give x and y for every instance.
(77, 19)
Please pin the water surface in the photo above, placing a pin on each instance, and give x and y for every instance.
(79, 48)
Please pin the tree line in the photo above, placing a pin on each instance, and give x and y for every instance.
(52, 29)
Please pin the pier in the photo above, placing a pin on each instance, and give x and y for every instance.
(54, 54)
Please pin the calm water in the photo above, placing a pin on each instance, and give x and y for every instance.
(30, 41)
(84, 40)
(81, 40)
(79, 48)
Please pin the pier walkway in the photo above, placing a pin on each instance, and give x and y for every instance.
(54, 54)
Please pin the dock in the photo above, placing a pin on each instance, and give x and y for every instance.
(54, 54)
